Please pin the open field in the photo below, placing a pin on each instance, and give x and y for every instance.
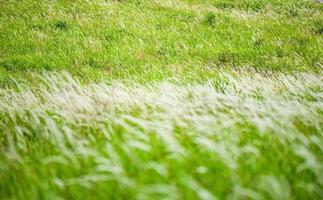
(153, 99)
(153, 39)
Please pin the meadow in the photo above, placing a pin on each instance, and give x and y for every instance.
(161, 99)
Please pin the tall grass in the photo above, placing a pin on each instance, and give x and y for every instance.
(238, 136)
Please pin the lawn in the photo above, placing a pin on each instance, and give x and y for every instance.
(161, 99)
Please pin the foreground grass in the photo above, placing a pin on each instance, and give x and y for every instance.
(240, 135)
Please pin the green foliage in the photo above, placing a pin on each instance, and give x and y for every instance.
(210, 19)
(173, 99)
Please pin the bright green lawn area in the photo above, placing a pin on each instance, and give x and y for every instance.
(155, 39)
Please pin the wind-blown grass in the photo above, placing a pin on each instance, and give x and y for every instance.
(215, 99)
(239, 135)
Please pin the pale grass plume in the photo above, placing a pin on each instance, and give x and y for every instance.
(213, 117)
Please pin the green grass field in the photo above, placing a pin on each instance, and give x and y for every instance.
(161, 99)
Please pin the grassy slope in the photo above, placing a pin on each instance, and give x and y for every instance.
(237, 137)
(151, 40)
